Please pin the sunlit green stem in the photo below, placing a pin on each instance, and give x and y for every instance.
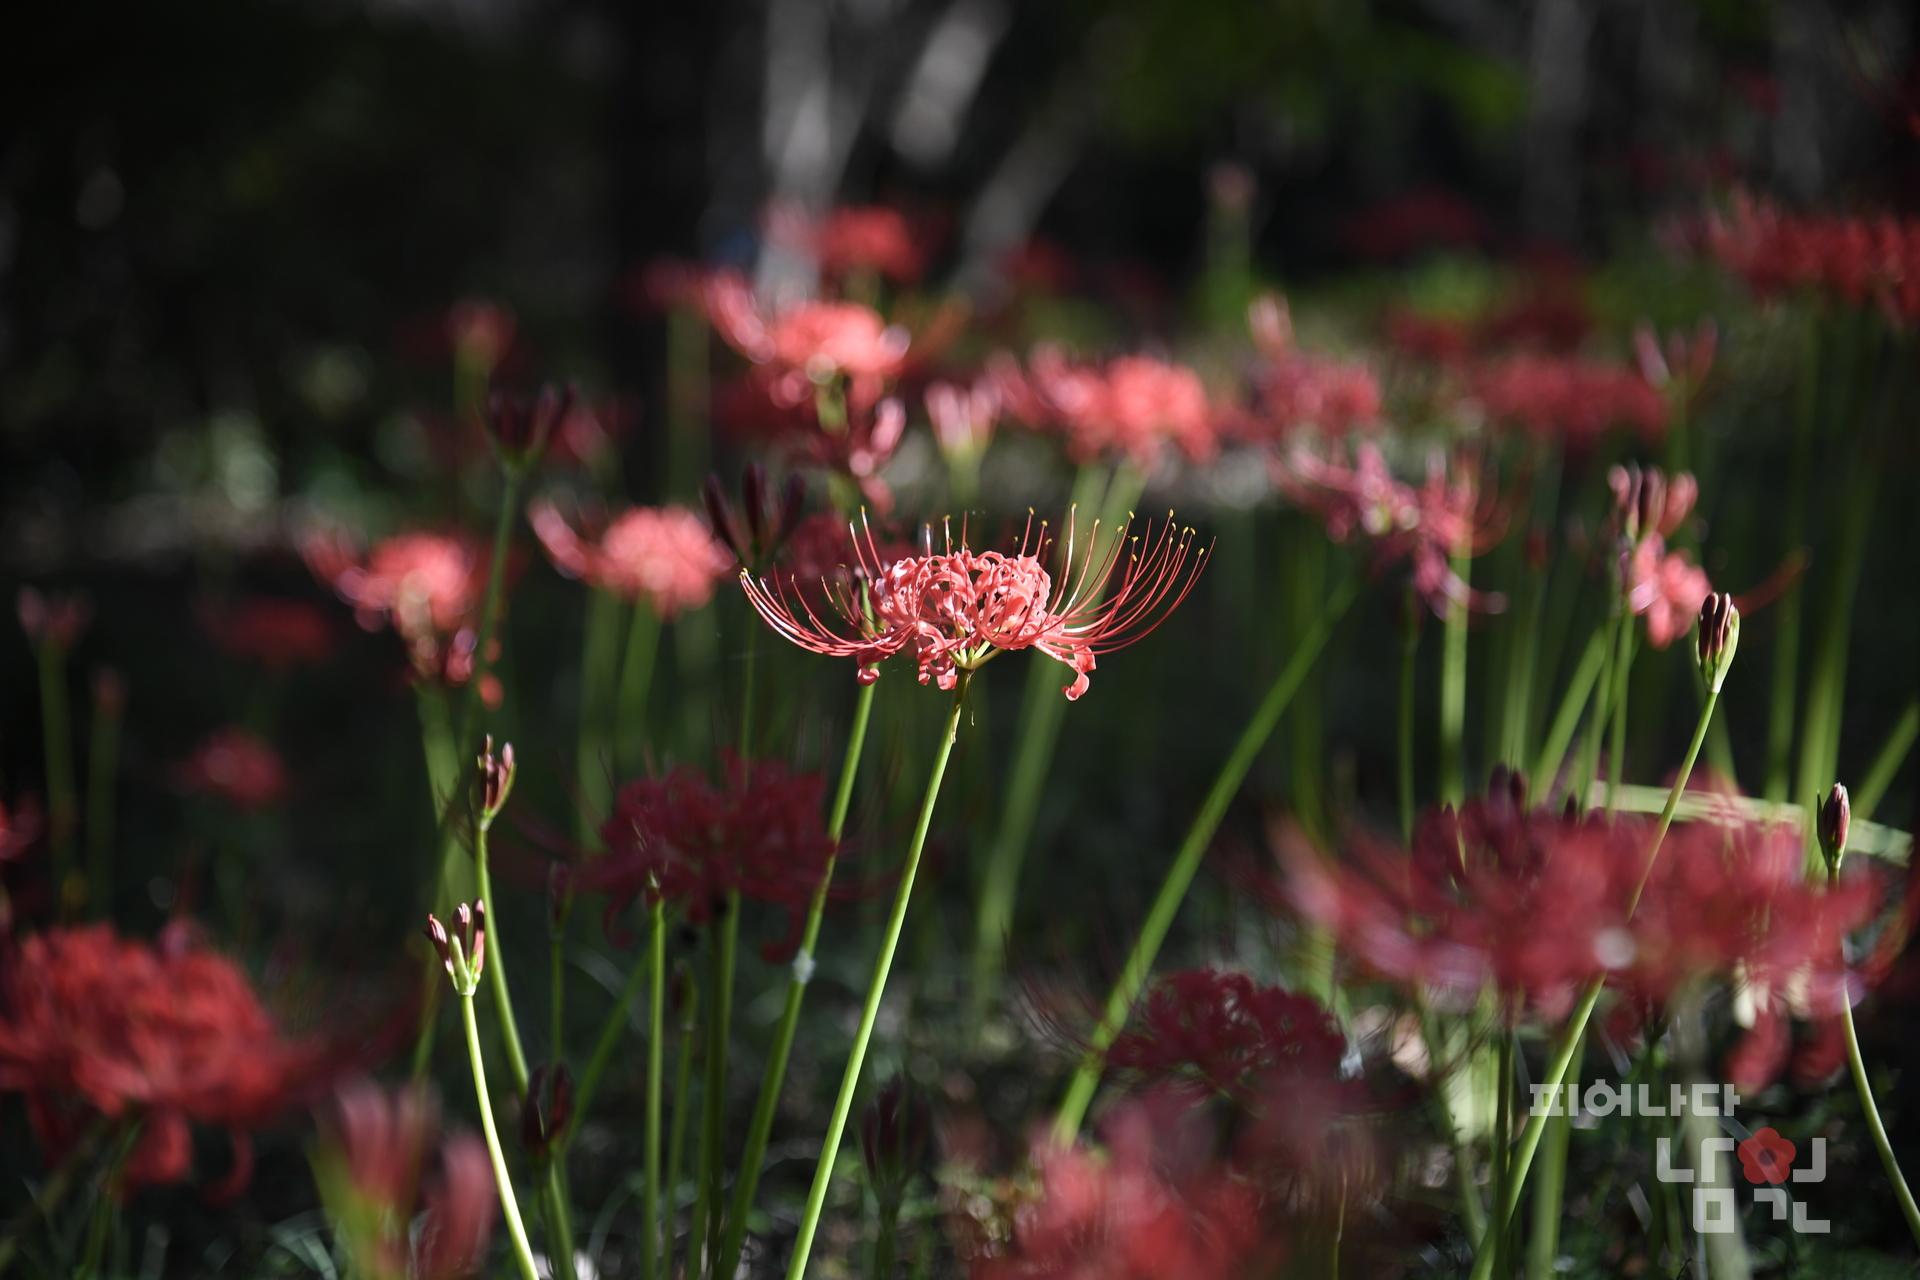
(1173, 891)
(599, 664)
(636, 681)
(870, 1011)
(1441, 1068)
(1453, 691)
(1580, 687)
(516, 1229)
(496, 969)
(656, 1066)
(689, 995)
(608, 1040)
(747, 1180)
(1623, 682)
(1543, 1246)
(719, 1027)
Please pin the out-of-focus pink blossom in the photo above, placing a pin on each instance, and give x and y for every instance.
(664, 555)
(963, 418)
(1295, 388)
(808, 344)
(278, 634)
(1574, 401)
(1666, 588)
(1134, 407)
(480, 332)
(20, 826)
(59, 619)
(1857, 261)
(853, 239)
(237, 767)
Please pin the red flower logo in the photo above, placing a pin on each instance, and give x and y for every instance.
(1766, 1157)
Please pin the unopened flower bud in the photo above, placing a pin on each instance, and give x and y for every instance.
(893, 1138)
(720, 515)
(792, 498)
(496, 780)
(548, 1108)
(1836, 815)
(753, 499)
(1719, 637)
(520, 427)
(463, 949)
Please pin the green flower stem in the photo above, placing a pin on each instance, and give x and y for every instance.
(1623, 682)
(636, 681)
(103, 769)
(1544, 1244)
(1786, 648)
(509, 1207)
(1035, 735)
(553, 1197)
(870, 1012)
(760, 1129)
(56, 729)
(437, 746)
(719, 1026)
(1603, 695)
(1580, 687)
(1886, 763)
(656, 1065)
(1562, 1060)
(1517, 709)
(599, 667)
(1502, 1233)
(1470, 1206)
(689, 992)
(1453, 691)
(1139, 964)
(1409, 671)
(496, 969)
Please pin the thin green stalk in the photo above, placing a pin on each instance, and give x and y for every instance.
(1604, 693)
(1857, 1067)
(1502, 1233)
(886, 1238)
(1518, 707)
(599, 664)
(1886, 762)
(496, 970)
(870, 1012)
(689, 992)
(719, 1027)
(562, 913)
(56, 727)
(656, 1066)
(636, 681)
(1786, 647)
(1623, 680)
(509, 1207)
(1543, 1246)
(103, 769)
(1562, 1060)
(443, 768)
(1470, 1206)
(760, 1129)
(1409, 668)
(1453, 690)
(1166, 905)
(1579, 688)
(553, 1197)
(106, 1205)
(1035, 734)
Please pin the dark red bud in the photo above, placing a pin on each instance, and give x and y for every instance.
(548, 1108)
(721, 517)
(753, 497)
(1836, 817)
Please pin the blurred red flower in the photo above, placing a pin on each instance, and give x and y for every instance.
(852, 239)
(1225, 1033)
(665, 555)
(1569, 399)
(277, 634)
(235, 766)
(1134, 407)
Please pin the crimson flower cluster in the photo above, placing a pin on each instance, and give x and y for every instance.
(1227, 1034)
(807, 345)
(1856, 261)
(1134, 407)
(757, 832)
(91, 1023)
(1537, 905)
(237, 767)
(277, 634)
(666, 556)
(956, 609)
(1423, 526)
(1295, 388)
(1571, 399)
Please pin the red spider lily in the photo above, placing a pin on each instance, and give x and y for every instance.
(1122, 1215)
(959, 608)
(852, 239)
(1855, 261)
(376, 1165)
(277, 634)
(172, 1033)
(1133, 407)
(756, 529)
(757, 832)
(809, 344)
(1537, 905)
(1683, 363)
(60, 619)
(237, 767)
(1296, 388)
(664, 555)
(20, 826)
(1572, 400)
(428, 585)
(1666, 588)
(1225, 1032)
(1425, 527)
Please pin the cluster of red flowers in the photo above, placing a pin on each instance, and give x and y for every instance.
(429, 586)
(806, 345)
(1569, 398)
(237, 767)
(957, 609)
(1134, 407)
(1537, 905)
(1665, 587)
(379, 1161)
(1296, 388)
(757, 832)
(1856, 261)
(853, 239)
(170, 1033)
(1425, 526)
(1226, 1033)
(664, 555)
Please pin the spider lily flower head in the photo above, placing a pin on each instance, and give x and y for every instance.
(956, 609)
(237, 767)
(1295, 388)
(277, 634)
(59, 619)
(664, 555)
(1425, 526)
(693, 841)
(520, 426)
(756, 529)
(1719, 637)
(1666, 588)
(1852, 260)
(807, 346)
(1679, 366)
(1134, 407)
(1649, 503)
(1221, 1033)
(94, 1024)
(1570, 399)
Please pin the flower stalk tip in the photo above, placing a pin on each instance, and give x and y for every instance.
(496, 781)
(463, 949)
(1719, 637)
(1835, 817)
